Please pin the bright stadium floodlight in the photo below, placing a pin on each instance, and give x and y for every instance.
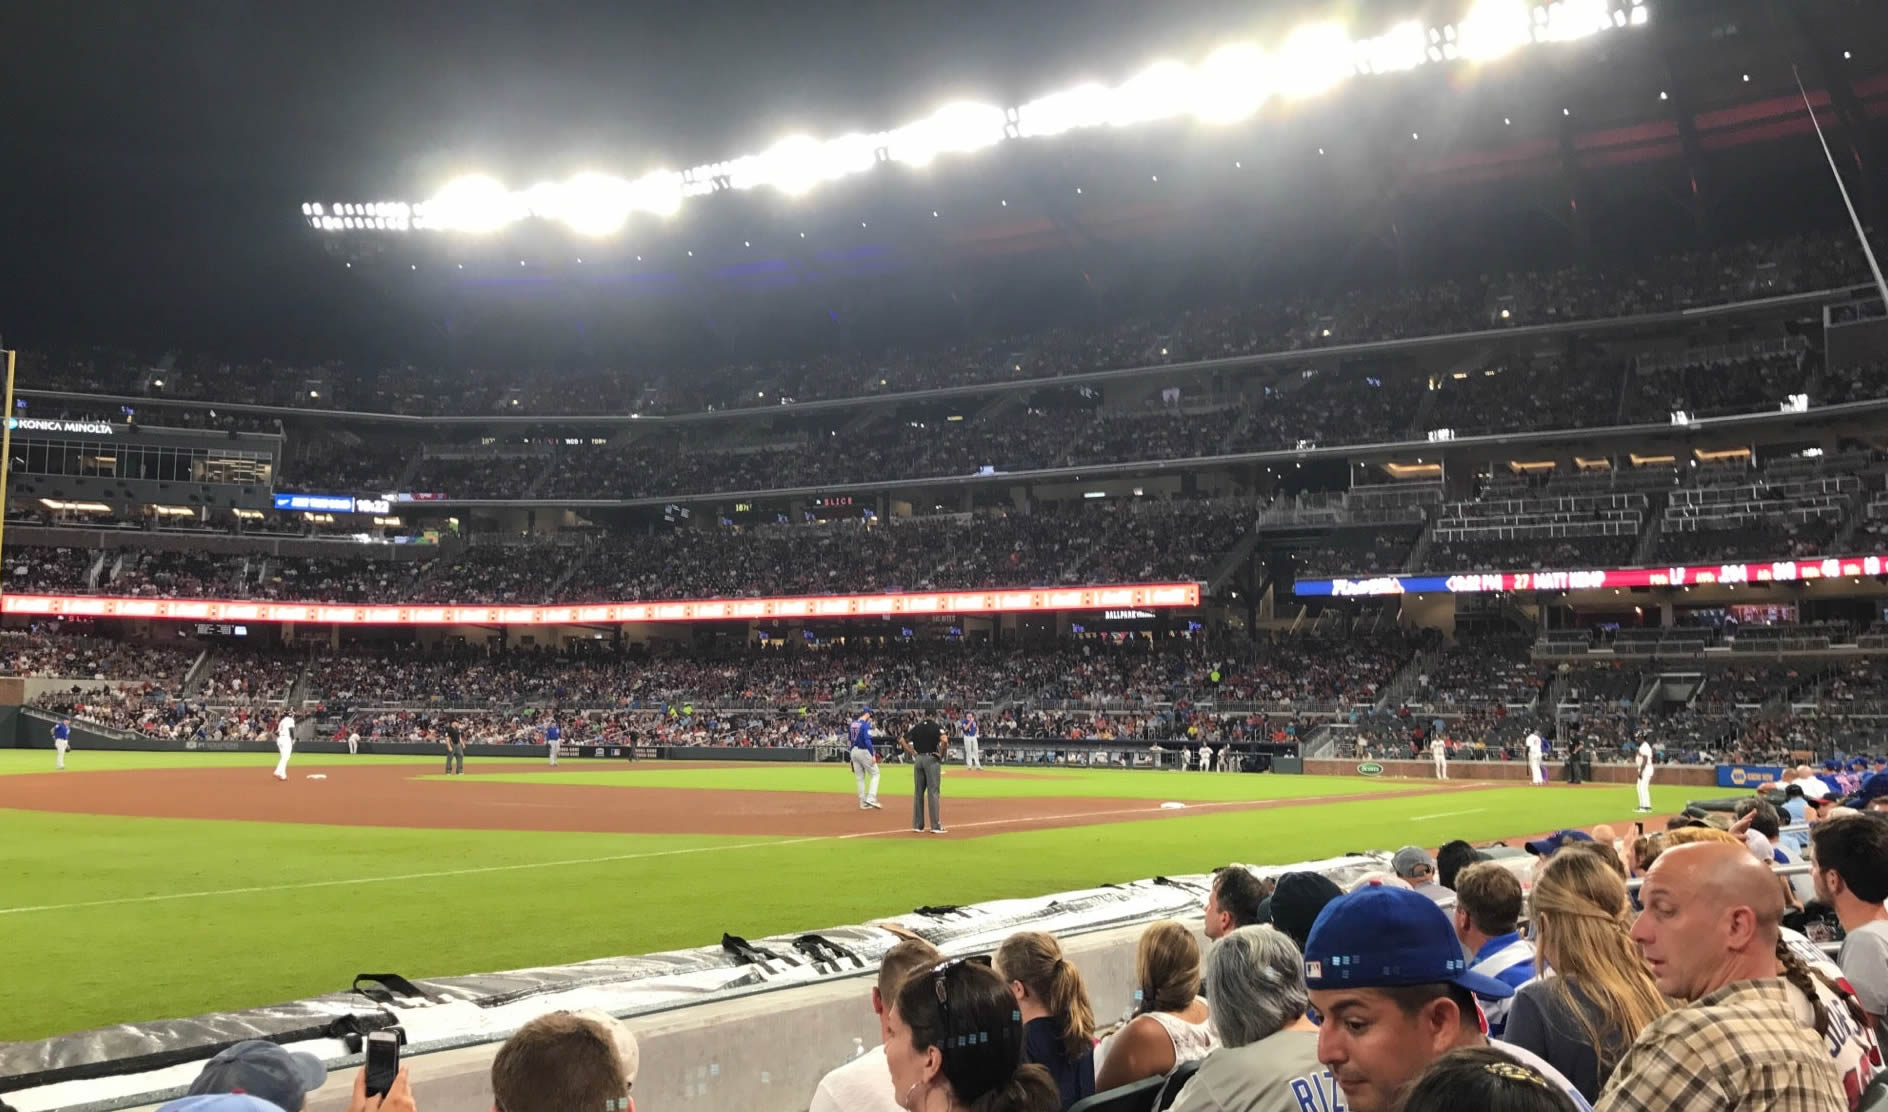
(1493, 29)
(658, 193)
(1400, 48)
(1085, 105)
(1230, 84)
(475, 204)
(1159, 92)
(593, 205)
(1570, 20)
(953, 129)
(1313, 59)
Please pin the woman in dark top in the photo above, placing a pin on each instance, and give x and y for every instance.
(1058, 1021)
(1583, 1014)
(953, 1044)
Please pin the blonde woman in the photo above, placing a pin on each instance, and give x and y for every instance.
(1594, 995)
(1171, 1028)
(1058, 1020)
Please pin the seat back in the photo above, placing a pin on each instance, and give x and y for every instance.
(1138, 1096)
(1176, 1081)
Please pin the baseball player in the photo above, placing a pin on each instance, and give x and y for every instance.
(1439, 752)
(972, 758)
(353, 743)
(284, 743)
(62, 740)
(864, 759)
(553, 740)
(1535, 773)
(1206, 758)
(1645, 777)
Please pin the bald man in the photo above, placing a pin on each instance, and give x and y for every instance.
(1709, 935)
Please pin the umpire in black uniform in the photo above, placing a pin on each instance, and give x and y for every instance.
(925, 745)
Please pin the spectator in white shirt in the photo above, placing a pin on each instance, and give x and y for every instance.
(865, 1083)
(1851, 875)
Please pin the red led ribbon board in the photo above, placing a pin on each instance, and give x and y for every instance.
(924, 604)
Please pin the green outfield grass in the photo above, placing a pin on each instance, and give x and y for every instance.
(106, 919)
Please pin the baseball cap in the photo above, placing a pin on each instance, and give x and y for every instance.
(1298, 900)
(1411, 858)
(1384, 937)
(1545, 847)
(219, 1102)
(262, 1069)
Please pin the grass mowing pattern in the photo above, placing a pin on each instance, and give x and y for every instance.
(90, 966)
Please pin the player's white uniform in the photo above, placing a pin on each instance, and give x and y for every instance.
(1645, 776)
(1535, 774)
(973, 757)
(1206, 758)
(284, 744)
(353, 743)
(1439, 750)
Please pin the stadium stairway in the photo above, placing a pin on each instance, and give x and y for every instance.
(1643, 552)
(198, 671)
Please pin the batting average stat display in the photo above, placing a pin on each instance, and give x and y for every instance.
(1775, 571)
(1135, 595)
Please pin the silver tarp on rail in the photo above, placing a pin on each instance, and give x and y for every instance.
(135, 1064)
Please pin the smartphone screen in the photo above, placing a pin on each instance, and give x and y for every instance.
(383, 1061)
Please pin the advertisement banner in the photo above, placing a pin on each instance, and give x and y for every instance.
(315, 503)
(1774, 571)
(1748, 776)
(927, 605)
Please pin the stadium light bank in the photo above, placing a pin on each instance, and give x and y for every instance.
(1231, 84)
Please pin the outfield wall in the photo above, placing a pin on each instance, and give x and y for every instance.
(1690, 776)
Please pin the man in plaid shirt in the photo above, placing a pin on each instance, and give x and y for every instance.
(1709, 934)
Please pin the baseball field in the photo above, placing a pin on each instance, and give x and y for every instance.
(141, 886)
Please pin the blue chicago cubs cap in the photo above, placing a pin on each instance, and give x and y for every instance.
(1383, 937)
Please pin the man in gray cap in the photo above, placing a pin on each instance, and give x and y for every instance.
(1416, 868)
(262, 1069)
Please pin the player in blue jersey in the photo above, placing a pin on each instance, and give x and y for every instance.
(864, 759)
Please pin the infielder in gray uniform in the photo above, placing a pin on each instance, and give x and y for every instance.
(926, 746)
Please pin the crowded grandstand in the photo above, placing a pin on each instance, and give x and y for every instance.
(1559, 441)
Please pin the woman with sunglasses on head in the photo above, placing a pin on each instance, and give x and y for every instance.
(954, 1042)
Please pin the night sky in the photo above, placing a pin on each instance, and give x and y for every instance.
(157, 152)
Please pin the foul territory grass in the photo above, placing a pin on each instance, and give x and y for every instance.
(106, 920)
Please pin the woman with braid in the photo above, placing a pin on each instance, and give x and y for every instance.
(1171, 1026)
(1058, 1020)
(1594, 994)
